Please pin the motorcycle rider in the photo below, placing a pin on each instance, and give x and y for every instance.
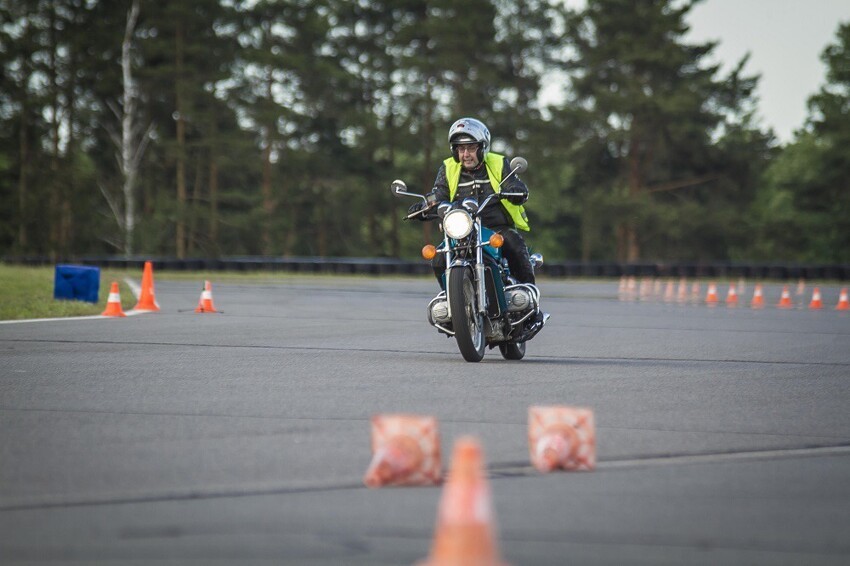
(473, 171)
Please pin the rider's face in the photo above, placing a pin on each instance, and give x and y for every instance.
(468, 155)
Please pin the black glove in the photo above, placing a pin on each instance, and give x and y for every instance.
(416, 207)
(518, 200)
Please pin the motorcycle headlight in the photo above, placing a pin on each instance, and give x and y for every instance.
(457, 224)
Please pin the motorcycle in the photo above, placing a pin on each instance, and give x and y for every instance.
(480, 303)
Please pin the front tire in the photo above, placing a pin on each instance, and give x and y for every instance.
(512, 350)
(467, 322)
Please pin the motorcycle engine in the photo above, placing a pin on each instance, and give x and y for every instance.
(518, 299)
(440, 312)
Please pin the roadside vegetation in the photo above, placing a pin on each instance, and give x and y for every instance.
(28, 293)
(230, 128)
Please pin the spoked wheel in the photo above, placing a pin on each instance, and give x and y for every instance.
(512, 350)
(467, 322)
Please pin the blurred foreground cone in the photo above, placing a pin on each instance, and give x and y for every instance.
(147, 299)
(205, 304)
(816, 300)
(758, 299)
(113, 303)
(405, 451)
(785, 299)
(711, 295)
(732, 296)
(465, 534)
(843, 303)
(561, 438)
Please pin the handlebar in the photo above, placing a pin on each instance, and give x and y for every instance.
(424, 211)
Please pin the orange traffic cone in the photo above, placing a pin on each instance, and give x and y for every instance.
(405, 451)
(711, 295)
(732, 296)
(561, 437)
(465, 531)
(682, 295)
(668, 291)
(843, 303)
(113, 303)
(147, 299)
(656, 289)
(785, 299)
(631, 286)
(816, 300)
(758, 299)
(205, 304)
(645, 288)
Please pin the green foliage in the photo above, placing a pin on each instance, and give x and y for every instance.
(659, 135)
(277, 127)
(803, 206)
(28, 293)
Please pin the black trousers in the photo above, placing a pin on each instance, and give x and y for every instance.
(514, 250)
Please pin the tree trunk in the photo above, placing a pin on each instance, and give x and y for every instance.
(55, 189)
(635, 183)
(588, 233)
(321, 224)
(268, 200)
(23, 141)
(129, 161)
(427, 145)
(22, 178)
(395, 244)
(214, 201)
(180, 231)
(193, 206)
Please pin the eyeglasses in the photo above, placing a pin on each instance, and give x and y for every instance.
(468, 148)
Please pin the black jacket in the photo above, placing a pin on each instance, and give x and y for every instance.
(476, 184)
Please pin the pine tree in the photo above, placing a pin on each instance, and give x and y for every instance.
(804, 204)
(188, 49)
(653, 109)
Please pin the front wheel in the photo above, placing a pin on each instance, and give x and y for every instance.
(467, 322)
(512, 350)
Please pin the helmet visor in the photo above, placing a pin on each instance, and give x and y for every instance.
(463, 139)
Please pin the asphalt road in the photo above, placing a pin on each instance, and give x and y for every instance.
(242, 437)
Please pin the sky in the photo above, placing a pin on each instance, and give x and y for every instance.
(785, 39)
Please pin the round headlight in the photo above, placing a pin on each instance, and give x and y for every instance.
(457, 224)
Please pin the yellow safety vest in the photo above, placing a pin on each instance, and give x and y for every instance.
(494, 164)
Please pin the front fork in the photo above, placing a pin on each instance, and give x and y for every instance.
(478, 272)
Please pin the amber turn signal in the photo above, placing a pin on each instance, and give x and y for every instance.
(496, 240)
(429, 251)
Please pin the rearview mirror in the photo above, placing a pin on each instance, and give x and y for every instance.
(519, 164)
(398, 188)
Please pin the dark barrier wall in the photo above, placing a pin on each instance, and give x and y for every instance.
(384, 266)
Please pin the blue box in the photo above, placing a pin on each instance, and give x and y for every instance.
(75, 282)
